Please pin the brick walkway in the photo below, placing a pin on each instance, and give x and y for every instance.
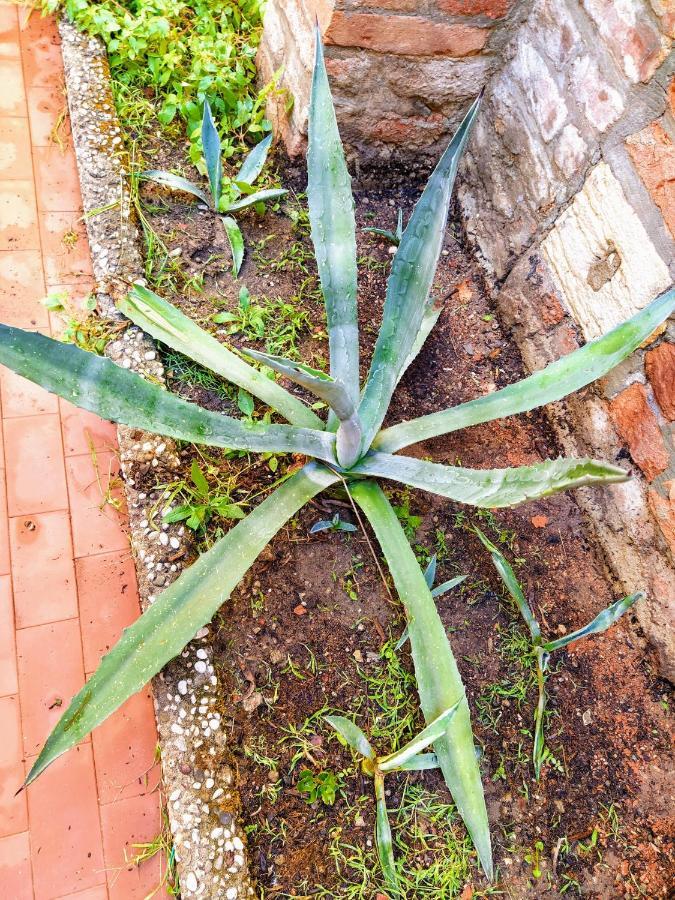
(67, 583)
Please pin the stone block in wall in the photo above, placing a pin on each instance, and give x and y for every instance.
(493, 9)
(404, 35)
(653, 153)
(636, 423)
(632, 33)
(601, 256)
(660, 368)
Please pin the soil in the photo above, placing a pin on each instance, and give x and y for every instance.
(312, 628)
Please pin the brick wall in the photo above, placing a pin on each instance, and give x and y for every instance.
(402, 71)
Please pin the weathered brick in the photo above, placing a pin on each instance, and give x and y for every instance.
(632, 35)
(394, 5)
(660, 367)
(637, 424)
(665, 12)
(405, 35)
(663, 510)
(493, 9)
(653, 155)
(602, 104)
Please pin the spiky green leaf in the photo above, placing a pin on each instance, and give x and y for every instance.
(513, 586)
(236, 241)
(169, 325)
(176, 183)
(177, 614)
(352, 734)
(211, 147)
(97, 384)
(491, 488)
(428, 735)
(383, 840)
(252, 199)
(446, 586)
(252, 166)
(564, 376)
(420, 763)
(599, 624)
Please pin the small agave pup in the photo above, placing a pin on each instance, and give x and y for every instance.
(227, 195)
(349, 448)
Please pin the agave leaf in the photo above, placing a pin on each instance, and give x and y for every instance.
(539, 744)
(428, 735)
(176, 183)
(177, 613)
(399, 226)
(438, 680)
(352, 734)
(97, 384)
(564, 376)
(513, 586)
(383, 840)
(236, 239)
(169, 325)
(391, 236)
(429, 319)
(254, 162)
(412, 274)
(211, 146)
(446, 586)
(420, 763)
(491, 488)
(599, 624)
(331, 216)
(430, 572)
(257, 197)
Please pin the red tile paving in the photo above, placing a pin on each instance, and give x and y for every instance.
(67, 581)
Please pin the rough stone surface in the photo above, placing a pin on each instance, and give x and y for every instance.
(602, 258)
(197, 779)
(653, 153)
(637, 424)
(660, 367)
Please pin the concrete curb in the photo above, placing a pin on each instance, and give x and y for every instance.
(199, 783)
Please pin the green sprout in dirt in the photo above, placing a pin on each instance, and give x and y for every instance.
(410, 758)
(82, 326)
(228, 195)
(542, 649)
(323, 786)
(334, 524)
(394, 237)
(349, 450)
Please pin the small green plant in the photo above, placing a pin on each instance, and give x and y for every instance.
(410, 758)
(349, 449)
(228, 195)
(83, 326)
(323, 786)
(334, 524)
(542, 649)
(533, 857)
(279, 323)
(394, 237)
(201, 502)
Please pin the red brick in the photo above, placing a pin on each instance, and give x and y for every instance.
(106, 585)
(135, 820)
(124, 750)
(637, 424)
(93, 481)
(21, 288)
(394, 5)
(8, 677)
(43, 573)
(13, 810)
(66, 845)
(660, 367)
(15, 871)
(663, 510)
(50, 674)
(653, 155)
(493, 9)
(34, 458)
(404, 35)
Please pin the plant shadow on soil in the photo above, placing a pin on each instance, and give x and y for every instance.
(312, 627)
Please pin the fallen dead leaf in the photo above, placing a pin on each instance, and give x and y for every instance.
(539, 521)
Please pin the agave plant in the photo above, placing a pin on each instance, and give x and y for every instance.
(542, 649)
(350, 448)
(394, 237)
(228, 195)
(410, 758)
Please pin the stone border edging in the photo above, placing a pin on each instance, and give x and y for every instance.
(199, 784)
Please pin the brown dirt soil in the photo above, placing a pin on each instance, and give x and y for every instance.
(312, 627)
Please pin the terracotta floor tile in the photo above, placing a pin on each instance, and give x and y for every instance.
(8, 675)
(43, 572)
(13, 810)
(95, 893)
(15, 870)
(9, 31)
(65, 827)
(15, 154)
(18, 216)
(34, 464)
(12, 95)
(50, 674)
(124, 751)
(83, 430)
(65, 248)
(21, 397)
(56, 179)
(127, 822)
(4, 527)
(46, 108)
(41, 50)
(22, 287)
(97, 525)
(106, 585)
